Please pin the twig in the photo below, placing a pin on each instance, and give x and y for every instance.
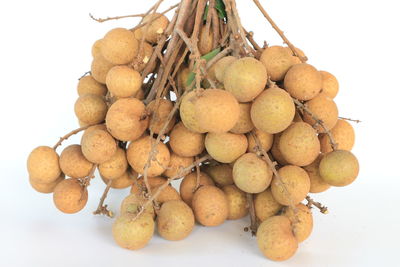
(85, 74)
(197, 176)
(310, 202)
(85, 182)
(68, 135)
(101, 208)
(249, 36)
(348, 119)
(115, 18)
(253, 218)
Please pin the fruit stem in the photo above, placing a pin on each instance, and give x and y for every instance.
(101, 208)
(253, 218)
(310, 202)
(68, 135)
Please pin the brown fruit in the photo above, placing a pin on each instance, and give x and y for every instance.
(302, 221)
(88, 85)
(141, 60)
(119, 46)
(244, 123)
(159, 112)
(276, 153)
(123, 81)
(188, 185)
(168, 193)
(91, 109)
(43, 166)
(126, 180)
(45, 188)
(183, 75)
(184, 142)
(221, 174)
(330, 84)
(237, 202)
(157, 25)
(317, 185)
(325, 109)
(303, 81)
(70, 196)
(115, 167)
(187, 111)
(96, 49)
(98, 146)
(73, 163)
(226, 147)
(205, 40)
(265, 205)
(99, 69)
(220, 67)
(277, 60)
(265, 139)
(176, 166)
(342, 133)
(92, 129)
(153, 182)
(133, 202)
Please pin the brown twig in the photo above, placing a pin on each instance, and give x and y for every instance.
(101, 208)
(85, 74)
(115, 18)
(197, 176)
(253, 218)
(310, 203)
(68, 135)
(348, 119)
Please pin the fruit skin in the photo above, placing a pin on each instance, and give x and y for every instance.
(188, 113)
(237, 202)
(126, 180)
(43, 166)
(168, 193)
(183, 75)
(276, 153)
(221, 174)
(99, 69)
(342, 133)
(275, 238)
(317, 184)
(116, 166)
(88, 85)
(123, 81)
(277, 60)
(226, 147)
(98, 146)
(265, 205)
(45, 188)
(273, 110)
(141, 60)
(91, 109)
(325, 109)
(156, 28)
(245, 78)
(266, 141)
(184, 142)
(303, 81)
(133, 202)
(330, 84)
(176, 164)
(73, 163)
(133, 233)
(221, 66)
(302, 221)
(205, 40)
(251, 174)
(299, 144)
(297, 184)
(244, 123)
(188, 185)
(70, 196)
(119, 46)
(339, 168)
(153, 182)
(175, 220)
(210, 206)
(159, 117)
(96, 48)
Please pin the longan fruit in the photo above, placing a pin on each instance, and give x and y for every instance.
(96, 49)
(138, 33)
(276, 153)
(299, 144)
(43, 166)
(119, 46)
(45, 188)
(176, 165)
(273, 110)
(277, 60)
(237, 202)
(140, 95)
(226, 147)
(168, 193)
(299, 52)
(125, 119)
(188, 113)
(245, 78)
(221, 65)
(295, 187)
(183, 76)
(206, 39)
(251, 174)
(133, 233)
(133, 202)
(210, 206)
(143, 57)
(275, 238)
(153, 30)
(88, 85)
(188, 185)
(325, 109)
(114, 167)
(70, 196)
(138, 187)
(244, 123)
(317, 185)
(126, 180)
(265, 205)
(99, 69)
(91, 109)
(73, 163)
(342, 133)
(98, 146)
(330, 84)
(138, 154)
(266, 141)
(339, 168)
(302, 221)
(303, 81)
(92, 129)
(221, 174)
(159, 111)
(184, 142)
(123, 81)
(175, 220)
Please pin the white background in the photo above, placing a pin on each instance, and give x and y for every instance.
(44, 48)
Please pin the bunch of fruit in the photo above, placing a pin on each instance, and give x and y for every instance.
(247, 129)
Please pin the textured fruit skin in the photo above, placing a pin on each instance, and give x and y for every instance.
(237, 202)
(303, 81)
(244, 123)
(265, 205)
(69, 196)
(324, 109)
(330, 84)
(317, 184)
(91, 109)
(156, 28)
(141, 60)
(251, 174)
(88, 85)
(302, 221)
(221, 174)
(277, 60)
(343, 134)
(168, 193)
(45, 188)
(73, 163)
(266, 141)
(187, 112)
(119, 46)
(116, 166)
(183, 75)
(221, 66)
(299, 144)
(98, 146)
(176, 164)
(184, 142)
(123, 81)
(159, 117)
(275, 238)
(206, 39)
(138, 153)
(175, 220)
(297, 184)
(126, 180)
(273, 110)
(210, 206)
(339, 168)
(275, 151)
(96, 48)
(99, 69)
(226, 147)
(43, 166)
(153, 182)
(133, 202)
(124, 119)
(133, 234)
(188, 185)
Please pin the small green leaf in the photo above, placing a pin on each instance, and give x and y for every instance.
(220, 7)
(206, 57)
(205, 13)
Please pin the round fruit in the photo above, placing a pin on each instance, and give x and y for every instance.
(126, 180)
(244, 123)
(45, 188)
(123, 81)
(183, 75)
(70, 196)
(98, 146)
(43, 166)
(265, 205)
(237, 202)
(302, 221)
(221, 66)
(168, 193)
(132, 203)
(303, 81)
(221, 174)
(325, 109)
(116, 166)
(276, 153)
(73, 163)
(184, 142)
(330, 84)
(176, 166)
(226, 147)
(139, 187)
(88, 85)
(317, 185)
(265, 139)
(91, 109)
(99, 69)
(119, 46)
(96, 49)
(342, 133)
(159, 112)
(188, 185)
(206, 40)
(143, 57)
(188, 113)
(157, 24)
(277, 60)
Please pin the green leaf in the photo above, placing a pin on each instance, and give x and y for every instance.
(205, 13)
(220, 7)
(206, 57)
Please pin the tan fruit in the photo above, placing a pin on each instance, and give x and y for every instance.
(70, 196)
(265, 205)
(342, 133)
(126, 180)
(99, 69)
(73, 163)
(303, 81)
(43, 166)
(339, 168)
(276, 153)
(237, 202)
(158, 116)
(330, 84)
(295, 187)
(251, 174)
(183, 75)
(98, 146)
(132, 203)
(168, 193)
(91, 109)
(275, 238)
(143, 57)
(302, 221)
(137, 188)
(119, 46)
(88, 85)
(299, 53)
(115, 167)
(188, 185)
(176, 166)
(299, 144)
(245, 78)
(45, 188)
(221, 174)
(325, 109)
(96, 49)
(184, 142)
(210, 206)
(175, 220)
(125, 119)
(138, 154)
(188, 113)
(138, 33)
(123, 81)
(317, 185)
(92, 129)
(221, 65)
(277, 60)
(265, 139)
(140, 95)
(244, 123)
(205, 40)
(157, 25)
(273, 111)
(133, 233)
(226, 147)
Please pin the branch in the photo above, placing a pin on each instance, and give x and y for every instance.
(310, 202)
(68, 135)
(101, 20)
(253, 218)
(101, 208)
(348, 119)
